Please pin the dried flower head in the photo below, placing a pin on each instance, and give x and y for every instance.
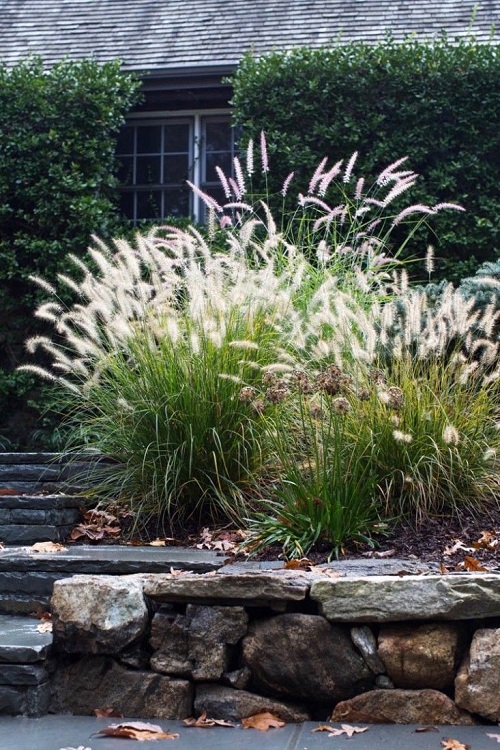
(402, 437)
(247, 393)
(258, 406)
(276, 394)
(341, 405)
(451, 435)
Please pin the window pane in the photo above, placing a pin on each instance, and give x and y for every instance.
(125, 143)
(148, 139)
(127, 204)
(177, 137)
(148, 170)
(177, 202)
(217, 160)
(126, 170)
(149, 204)
(217, 136)
(175, 169)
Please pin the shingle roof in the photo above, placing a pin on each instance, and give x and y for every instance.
(165, 35)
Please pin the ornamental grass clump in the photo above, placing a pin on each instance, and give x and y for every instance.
(153, 355)
(215, 372)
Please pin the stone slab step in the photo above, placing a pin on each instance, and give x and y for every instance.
(24, 667)
(26, 519)
(27, 578)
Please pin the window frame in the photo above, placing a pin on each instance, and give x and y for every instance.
(196, 120)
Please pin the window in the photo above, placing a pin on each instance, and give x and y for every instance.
(157, 156)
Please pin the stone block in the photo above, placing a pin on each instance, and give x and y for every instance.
(477, 685)
(421, 656)
(99, 682)
(426, 707)
(251, 589)
(98, 614)
(24, 701)
(462, 596)
(233, 705)
(303, 656)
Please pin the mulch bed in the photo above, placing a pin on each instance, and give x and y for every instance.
(473, 543)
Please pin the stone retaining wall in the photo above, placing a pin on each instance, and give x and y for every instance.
(406, 649)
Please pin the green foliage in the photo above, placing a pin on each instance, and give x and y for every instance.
(438, 103)
(58, 132)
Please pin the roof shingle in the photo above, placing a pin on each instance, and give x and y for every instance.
(167, 35)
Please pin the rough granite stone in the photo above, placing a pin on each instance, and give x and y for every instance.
(421, 656)
(366, 643)
(303, 656)
(233, 705)
(250, 589)
(99, 682)
(199, 643)
(401, 707)
(463, 596)
(98, 614)
(477, 685)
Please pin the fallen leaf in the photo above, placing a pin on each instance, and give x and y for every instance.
(426, 729)
(262, 722)
(47, 548)
(443, 570)
(336, 732)
(80, 747)
(450, 744)
(487, 540)
(203, 722)
(6, 491)
(157, 543)
(459, 546)
(106, 713)
(494, 737)
(471, 564)
(302, 564)
(137, 730)
(45, 627)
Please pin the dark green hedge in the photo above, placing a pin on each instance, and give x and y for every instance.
(437, 102)
(58, 132)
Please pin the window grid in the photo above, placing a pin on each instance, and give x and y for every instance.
(210, 140)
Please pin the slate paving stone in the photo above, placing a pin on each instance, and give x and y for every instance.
(22, 674)
(110, 559)
(55, 732)
(20, 641)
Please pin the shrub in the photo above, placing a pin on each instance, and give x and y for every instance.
(382, 99)
(58, 131)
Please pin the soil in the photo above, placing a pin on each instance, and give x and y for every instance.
(473, 543)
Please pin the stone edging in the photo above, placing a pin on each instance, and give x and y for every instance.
(419, 648)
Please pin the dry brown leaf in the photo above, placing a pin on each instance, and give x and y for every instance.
(494, 737)
(107, 713)
(158, 543)
(451, 744)
(323, 728)
(427, 729)
(262, 722)
(47, 548)
(487, 540)
(458, 546)
(45, 627)
(137, 730)
(202, 721)
(302, 564)
(443, 569)
(7, 491)
(472, 564)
